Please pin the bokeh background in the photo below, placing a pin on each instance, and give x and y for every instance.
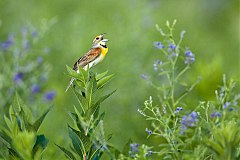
(212, 34)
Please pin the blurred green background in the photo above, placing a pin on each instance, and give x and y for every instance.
(212, 34)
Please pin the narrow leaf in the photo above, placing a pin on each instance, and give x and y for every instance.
(103, 98)
(39, 121)
(104, 81)
(77, 143)
(41, 143)
(101, 75)
(67, 153)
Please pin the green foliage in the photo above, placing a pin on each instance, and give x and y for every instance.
(87, 135)
(19, 139)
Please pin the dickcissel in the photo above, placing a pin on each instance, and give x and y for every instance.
(95, 55)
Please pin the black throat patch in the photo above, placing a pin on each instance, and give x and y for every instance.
(104, 46)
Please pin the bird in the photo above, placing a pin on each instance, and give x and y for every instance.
(94, 56)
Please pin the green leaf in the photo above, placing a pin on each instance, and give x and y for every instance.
(39, 121)
(95, 108)
(14, 154)
(101, 75)
(77, 143)
(41, 143)
(67, 153)
(126, 148)
(90, 89)
(104, 81)
(9, 123)
(99, 119)
(16, 103)
(85, 139)
(82, 100)
(103, 98)
(26, 123)
(71, 72)
(4, 140)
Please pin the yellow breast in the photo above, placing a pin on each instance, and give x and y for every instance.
(104, 51)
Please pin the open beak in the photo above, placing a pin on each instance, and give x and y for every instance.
(105, 40)
(102, 35)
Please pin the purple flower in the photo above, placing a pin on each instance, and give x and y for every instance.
(49, 96)
(190, 57)
(148, 131)
(39, 59)
(193, 115)
(18, 77)
(188, 121)
(178, 109)
(34, 33)
(35, 88)
(215, 114)
(225, 105)
(25, 44)
(156, 64)
(149, 153)
(231, 109)
(171, 47)
(133, 149)
(144, 76)
(158, 45)
(5, 45)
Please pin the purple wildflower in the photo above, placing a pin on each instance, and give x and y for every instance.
(144, 76)
(155, 67)
(35, 88)
(225, 105)
(49, 96)
(190, 57)
(178, 109)
(158, 45)
(25, 44)
(215, 114)
(39, 59)
(159, 62)
(171, 47)
(230, 109)
(156, 64)
(149, 153)
(148, 131)
(174, 54)
(34, 33)
(18, 77)
(133, 149)
(5, 45)
(188, 121)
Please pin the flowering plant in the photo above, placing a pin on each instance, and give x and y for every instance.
(24, 68)
(208, 130)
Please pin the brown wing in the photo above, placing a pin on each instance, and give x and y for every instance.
(91, 55)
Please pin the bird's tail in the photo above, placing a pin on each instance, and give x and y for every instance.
(70, 83)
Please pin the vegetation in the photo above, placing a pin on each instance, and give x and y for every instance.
(161, 100)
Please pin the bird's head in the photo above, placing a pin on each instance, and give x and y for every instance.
(99, 41)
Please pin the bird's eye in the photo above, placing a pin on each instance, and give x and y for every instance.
(97, 38)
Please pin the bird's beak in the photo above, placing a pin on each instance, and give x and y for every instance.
(102, 35)
(105, 40)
